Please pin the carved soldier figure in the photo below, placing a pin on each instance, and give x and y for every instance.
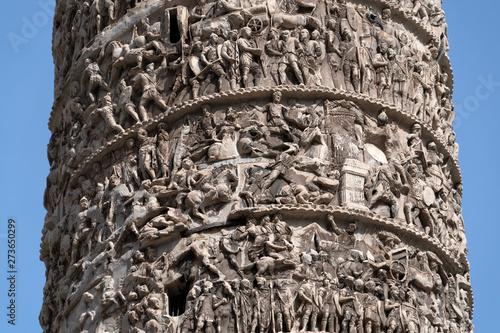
(230, 52)
(248, 52)
(195, 64)
(129, 56)
(262, 311)
(417, 149)
(153, 313)
(125, 104)
(416, 200)
(273, 52)
(94, 23)
(150, 89)
(290, 48)
(283, 306)
(119, 194)
(410, 313)
(181, 66)
(452, 145)
(351, 310)
(212, 59)
(78, 32)
(247, 306)
(275, 115)
(339, 9)
(92, 75)
(187, 323)
(162, 152)
(227, 249)
(333, 51)
(311, 57)
(208, 123)
(130, 176)
(398, 77)
(381, 64)
(329, 306)
(106, 112)
(350, 61)
(257, 235)
(386, 190)
(432, 75)
(234, 321)
(143, 203)
(82, 230)
(392, 304)
(205, 305)
(183, 179)
(109, 10)
(442, 89)
(309, 306)
(433, 168)
(373, 312)
(420, 86)
(223, 312)
(387, 24)
(199, 250)
(148, 162)
(367, 71)
(346, 237)
(198, 12)
(86, 318)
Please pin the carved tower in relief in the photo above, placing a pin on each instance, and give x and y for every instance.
(253, 166)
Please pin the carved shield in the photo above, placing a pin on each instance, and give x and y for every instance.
(353, 19)
(195, 65)
(428, 196)
(125, 96)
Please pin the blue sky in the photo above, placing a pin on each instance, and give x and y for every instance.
(27, 96)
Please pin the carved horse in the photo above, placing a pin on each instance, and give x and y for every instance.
(223, 24)
(292, 21)
(420, 279)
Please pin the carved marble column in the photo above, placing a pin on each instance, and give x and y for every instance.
(253, 166)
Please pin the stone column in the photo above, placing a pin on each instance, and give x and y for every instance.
(253, 166)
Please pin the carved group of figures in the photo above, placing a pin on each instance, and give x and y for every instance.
(119, 205)
(427, 11)
(269, 275)
(269, 285)
(333, 44)
(200, 168)
(78, 22)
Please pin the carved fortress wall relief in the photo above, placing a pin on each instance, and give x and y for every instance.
(253, 166)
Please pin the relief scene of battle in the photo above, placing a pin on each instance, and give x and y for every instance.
(253, 166)
(169, 54)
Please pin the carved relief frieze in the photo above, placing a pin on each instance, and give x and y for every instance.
(181, 52)
(253, 166)
(276, 273)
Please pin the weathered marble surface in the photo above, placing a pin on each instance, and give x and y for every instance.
(253, 166)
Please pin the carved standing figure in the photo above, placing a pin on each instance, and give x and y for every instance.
(150, 90)
(249, 51)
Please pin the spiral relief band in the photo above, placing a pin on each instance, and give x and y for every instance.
(253, 166)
